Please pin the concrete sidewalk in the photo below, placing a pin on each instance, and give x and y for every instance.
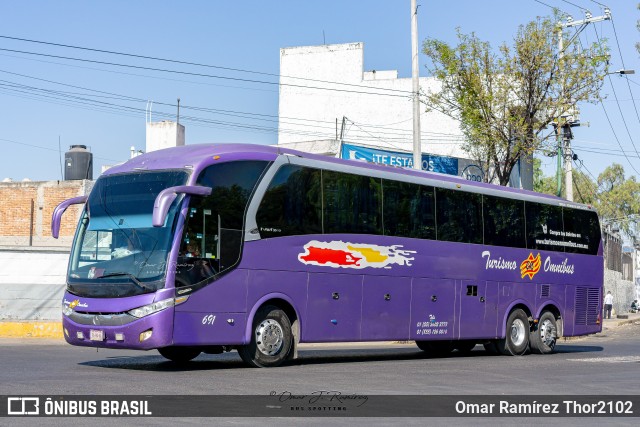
(620, 319)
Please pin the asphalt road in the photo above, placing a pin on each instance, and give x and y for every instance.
(604, 364)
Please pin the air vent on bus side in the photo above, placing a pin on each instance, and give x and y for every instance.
(587, 304)
(544, 291)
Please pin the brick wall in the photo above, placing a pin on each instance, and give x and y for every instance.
(19, 226)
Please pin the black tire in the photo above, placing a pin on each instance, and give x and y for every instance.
(516, 341)
(491, 347)
(436, 348)
(179, 354)
(544, 335)
(273, 324)
(464, 346)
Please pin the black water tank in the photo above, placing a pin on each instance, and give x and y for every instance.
(78, 163)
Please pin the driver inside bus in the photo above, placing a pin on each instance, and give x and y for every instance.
(123, 251)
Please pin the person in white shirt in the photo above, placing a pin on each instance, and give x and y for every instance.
(608, 305)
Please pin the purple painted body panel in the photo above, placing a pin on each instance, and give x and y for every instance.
(161, 323)
(440, 269)
(344, 298)
(386, 307)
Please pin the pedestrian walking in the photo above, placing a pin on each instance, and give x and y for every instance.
(608, 305)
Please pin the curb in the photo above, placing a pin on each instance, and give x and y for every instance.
(31, 329)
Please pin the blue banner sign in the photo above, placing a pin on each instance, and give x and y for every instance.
(430, 162)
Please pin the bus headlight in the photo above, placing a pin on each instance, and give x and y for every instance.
(155, 307)
(66, 310)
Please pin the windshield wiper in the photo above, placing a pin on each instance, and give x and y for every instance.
(133, 278)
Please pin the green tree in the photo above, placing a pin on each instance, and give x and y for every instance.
(618, 199)
(507, 100)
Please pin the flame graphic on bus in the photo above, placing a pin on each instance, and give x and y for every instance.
(530, 266)
(339, 254)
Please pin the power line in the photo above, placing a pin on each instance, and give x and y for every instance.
(174, 61)
(598, 3)
(163, 70)
(573, 4)
(46, 148)
(549, 6)
(394, 132)
(615, 96)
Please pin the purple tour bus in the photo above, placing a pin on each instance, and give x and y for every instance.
(209, 248)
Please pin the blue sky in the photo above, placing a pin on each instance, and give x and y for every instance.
(243, 35)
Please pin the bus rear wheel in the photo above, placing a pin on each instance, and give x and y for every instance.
(516, 341)
(271, 340)
(179, 354)
(545, 334)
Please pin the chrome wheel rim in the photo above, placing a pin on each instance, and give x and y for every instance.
(517, 332)
(269, 337)
(548, 333)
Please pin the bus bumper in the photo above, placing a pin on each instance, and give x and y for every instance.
(153, 331)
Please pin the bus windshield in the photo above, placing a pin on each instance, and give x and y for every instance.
(117, 251)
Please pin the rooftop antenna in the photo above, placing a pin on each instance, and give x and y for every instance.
(178, 115)
(324, 40)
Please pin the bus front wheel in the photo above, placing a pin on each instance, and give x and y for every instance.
(271, 340)
(179, 354)
(545, 334)
(516, 341)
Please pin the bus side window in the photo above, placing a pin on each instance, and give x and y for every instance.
(292, 204)
(409, 210)
(503, 222)
(582, 231)
(351, 203)
(544, 227)
(213, 231)
(458, 216)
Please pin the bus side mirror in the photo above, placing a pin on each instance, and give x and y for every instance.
(59, 210)
(168, 195)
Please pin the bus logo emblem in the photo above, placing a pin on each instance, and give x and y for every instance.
(530, 266)
(339, 254)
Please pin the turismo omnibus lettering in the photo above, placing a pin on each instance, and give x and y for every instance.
(214, 248)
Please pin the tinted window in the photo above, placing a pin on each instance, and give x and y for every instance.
(351, 203)
(292, 203)
(544, 227)
(458, 216)
(581, 231)
(213, 231)
(503, 222)
(409, 210)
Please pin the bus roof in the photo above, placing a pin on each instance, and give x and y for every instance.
(198, 156)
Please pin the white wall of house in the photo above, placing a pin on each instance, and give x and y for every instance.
(374, 119)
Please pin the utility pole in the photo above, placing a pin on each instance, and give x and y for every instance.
(564, 126)
(415, 75)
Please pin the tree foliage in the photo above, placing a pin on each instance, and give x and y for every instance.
(507, 100)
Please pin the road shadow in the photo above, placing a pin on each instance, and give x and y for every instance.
(307, 357)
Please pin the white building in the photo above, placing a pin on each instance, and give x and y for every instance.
(377, 104)
(164, 134)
